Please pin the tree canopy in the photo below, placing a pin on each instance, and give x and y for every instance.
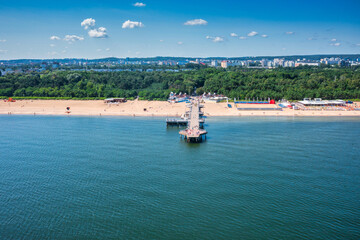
(289, 83)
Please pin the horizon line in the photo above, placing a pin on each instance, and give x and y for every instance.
(260, 56)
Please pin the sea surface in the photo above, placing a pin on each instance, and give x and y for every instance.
(133, 178)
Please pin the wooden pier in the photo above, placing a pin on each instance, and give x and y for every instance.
(193, 133)
(185, 119)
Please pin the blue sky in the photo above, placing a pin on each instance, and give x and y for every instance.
(158, 28)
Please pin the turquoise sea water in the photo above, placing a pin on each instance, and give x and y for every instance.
(132, 178)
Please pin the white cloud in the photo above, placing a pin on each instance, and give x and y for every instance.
(335, 44)
(252, 34)
(218, 39)
(333, 40)
(89, 22)
(131, 24)
(215, 39)
(311, 39)
(242, 38)
(98, 33)
(264, 36)
(2, 40)
(99, 50)
(93, 32)
(161, 40)
(358, 44)
(139, 4)
(107, 49)
(3, 51)
(284, 49)
(63, 51)
(196, 22)
(55, 38)
(52, 45)
(73, 38)
(233, 35)
(180, 43)
(290, 33)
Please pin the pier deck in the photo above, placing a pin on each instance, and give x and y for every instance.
(193, 133)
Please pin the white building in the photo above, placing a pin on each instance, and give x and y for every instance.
(264, 62)
(331, 61)
(289, 64)
(214, 63)
(297, 64)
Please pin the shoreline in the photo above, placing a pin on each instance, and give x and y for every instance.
(152, 109)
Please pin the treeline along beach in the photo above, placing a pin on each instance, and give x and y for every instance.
(289, 83)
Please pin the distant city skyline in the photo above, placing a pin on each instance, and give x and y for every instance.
(92, 29)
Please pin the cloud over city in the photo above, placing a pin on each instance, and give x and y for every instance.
(252, 34)
(93, 32)
(55, 38)
(98, 33)
(215, 39)
(139, 4)
(336, 44)
(132, 24)
(89, 22)
(196, 22)
(73, 38)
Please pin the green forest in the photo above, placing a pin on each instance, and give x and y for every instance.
(289, 83)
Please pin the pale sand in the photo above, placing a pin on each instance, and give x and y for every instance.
(153, 108)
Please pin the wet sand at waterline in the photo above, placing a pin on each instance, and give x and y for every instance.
(149, 108)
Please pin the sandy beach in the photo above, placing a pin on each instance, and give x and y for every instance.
(148, 108)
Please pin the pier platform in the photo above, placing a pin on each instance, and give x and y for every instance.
(193, 135)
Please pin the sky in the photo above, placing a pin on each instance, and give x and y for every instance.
(147, 28)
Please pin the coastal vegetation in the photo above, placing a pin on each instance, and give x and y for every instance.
(240, 83)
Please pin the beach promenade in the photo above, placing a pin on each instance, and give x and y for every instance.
(146, 108)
